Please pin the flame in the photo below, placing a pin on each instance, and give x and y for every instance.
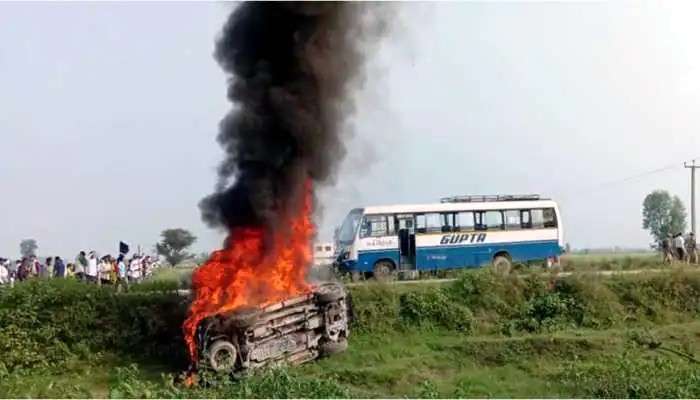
(256, 268)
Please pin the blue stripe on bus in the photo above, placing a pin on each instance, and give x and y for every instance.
(439, 257)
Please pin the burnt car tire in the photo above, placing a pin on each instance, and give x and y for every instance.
(329, 292)
(330, 348)
(245, 317)
(222, 356)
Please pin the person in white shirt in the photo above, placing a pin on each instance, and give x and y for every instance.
(679, 245)
(4, 273)
(92, 271)
(135, 269)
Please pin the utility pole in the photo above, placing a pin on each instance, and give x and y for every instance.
(692, 167)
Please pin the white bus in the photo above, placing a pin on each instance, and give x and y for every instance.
(458, 232)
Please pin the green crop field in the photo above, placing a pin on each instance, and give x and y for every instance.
(482, 335)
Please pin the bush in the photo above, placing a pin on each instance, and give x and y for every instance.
(434, 309)
(44, 322)
(375, 308)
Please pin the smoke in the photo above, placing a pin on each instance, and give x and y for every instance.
(293, 67)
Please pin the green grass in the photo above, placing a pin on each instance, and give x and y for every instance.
(612, 261)
(408, 364)
(518, 336)
(177, 275)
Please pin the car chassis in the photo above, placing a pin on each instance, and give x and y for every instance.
(294, 331)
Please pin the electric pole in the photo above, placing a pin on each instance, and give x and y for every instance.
(692, 167)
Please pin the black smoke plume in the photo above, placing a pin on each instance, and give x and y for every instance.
(292, 67)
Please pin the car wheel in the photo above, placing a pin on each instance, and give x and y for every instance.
(245, 317)
(330, 348)
(356, 276)
(329, 292)
(222, 356)
(383, 271)
(502, 265)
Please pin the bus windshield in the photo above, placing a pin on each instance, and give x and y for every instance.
(346, 235)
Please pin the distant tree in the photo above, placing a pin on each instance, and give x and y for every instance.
(28, 247)
(568, 248)
(663, 215)
(173, 245)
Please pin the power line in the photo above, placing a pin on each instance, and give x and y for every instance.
(620, 181)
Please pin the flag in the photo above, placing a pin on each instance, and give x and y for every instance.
(123, 248)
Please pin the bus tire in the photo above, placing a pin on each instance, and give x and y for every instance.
(502, 264)
(383, 270)
(356, 276)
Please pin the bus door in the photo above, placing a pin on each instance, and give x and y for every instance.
(407, 241)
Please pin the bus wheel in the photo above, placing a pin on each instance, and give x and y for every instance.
(356, 276)
(502, 265)
(383, 271)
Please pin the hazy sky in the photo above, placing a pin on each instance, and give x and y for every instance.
(108, 115)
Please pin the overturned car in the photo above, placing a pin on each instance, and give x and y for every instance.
(294, 331)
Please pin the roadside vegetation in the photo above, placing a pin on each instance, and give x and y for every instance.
(481, 335)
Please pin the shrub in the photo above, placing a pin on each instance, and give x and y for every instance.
(434, 309)
(591, 303)
(375, 308)
(44, 322)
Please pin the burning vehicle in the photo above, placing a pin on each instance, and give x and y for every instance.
(292, 69)
(294, 331)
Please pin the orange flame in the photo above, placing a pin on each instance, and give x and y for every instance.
(255, 268)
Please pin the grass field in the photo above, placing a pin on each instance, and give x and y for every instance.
(418, 364)
(520, 336)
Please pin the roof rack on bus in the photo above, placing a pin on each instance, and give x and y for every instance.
(487, 198)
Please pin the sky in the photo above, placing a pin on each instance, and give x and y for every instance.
(109, 113)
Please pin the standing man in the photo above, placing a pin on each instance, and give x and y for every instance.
(134, 269)
(679, 245)
(47, 271)
(667, 251)
(692, 248)
(91, 270)
(59, 268)
(4, 273)
(80, 266)
(121, 273)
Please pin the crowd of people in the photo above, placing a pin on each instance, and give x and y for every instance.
(87, 267)
(680, 248)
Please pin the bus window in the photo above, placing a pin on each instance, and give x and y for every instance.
(420, 223)
(391, 225)
(465, 221)
(448, 222)
(373, 225)
(432, 221)
(550, 218)
(494, 220)
(526, 223)
(405, 221)
(512, 219)
(479, 223)
(537, 218)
